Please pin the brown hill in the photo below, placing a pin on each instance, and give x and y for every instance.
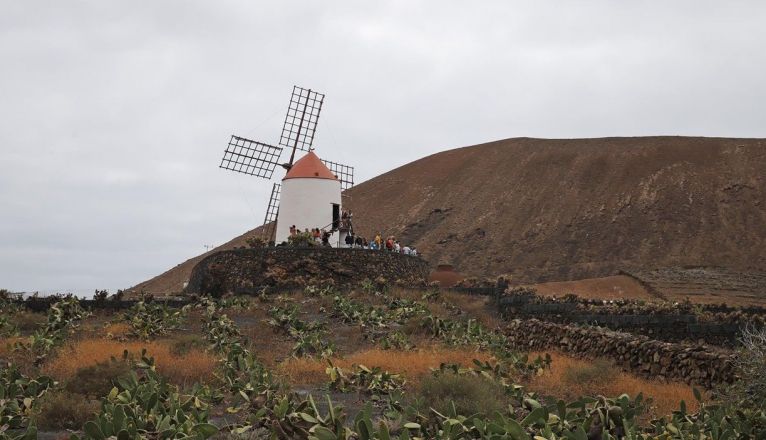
(563, 209)
(545, 209)
(174, 280)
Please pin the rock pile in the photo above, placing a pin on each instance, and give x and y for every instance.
(694, 364)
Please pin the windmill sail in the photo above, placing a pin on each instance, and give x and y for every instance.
(250, 157)
(345, 173)
(301, 119)
(272, 211)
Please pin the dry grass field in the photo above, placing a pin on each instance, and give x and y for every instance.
(413, 365)
(608, 288)
(570, 377)
(183, 369)
(82, 362)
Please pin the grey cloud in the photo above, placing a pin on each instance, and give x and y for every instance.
(115, 114)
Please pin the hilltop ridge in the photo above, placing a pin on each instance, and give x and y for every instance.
(562, 209)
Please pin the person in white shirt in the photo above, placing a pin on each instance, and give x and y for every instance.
(397, 248)
(406, 250)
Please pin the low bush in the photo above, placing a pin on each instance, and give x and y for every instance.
(600, 370)
(28, 322)
(7, 327)
(302, 239)
(396, 340)
(750, 363)
(183, 344)
(144, 405)
(361, 378)
(149, 319)
(65, 410)
(19, 397)
(97, 380)
(470, 394)
(256, 242)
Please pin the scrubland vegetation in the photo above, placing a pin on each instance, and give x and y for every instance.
(320, 364)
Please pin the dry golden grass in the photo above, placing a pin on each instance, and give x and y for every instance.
(195, 366)
(412, 364)
(555, 382)
(117, 329)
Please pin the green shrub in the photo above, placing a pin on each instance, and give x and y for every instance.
(65, 410)
(302, 239)
(370, 380)
(148, 319)
(185, 343)
(396, 340)
(28, 321)
(600, 370)
(100, 295)
(256, 242)
(7, 327)
(144, 405)
(470, 394)
(19, 397)
(97, 380)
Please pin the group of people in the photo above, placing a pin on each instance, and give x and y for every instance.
(390, 244)
(320, 236)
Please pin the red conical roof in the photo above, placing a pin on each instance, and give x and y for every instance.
(310, 167)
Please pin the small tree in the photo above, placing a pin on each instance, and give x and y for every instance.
(750, 365)
(100, 295)
(302, 239)
(256, 242)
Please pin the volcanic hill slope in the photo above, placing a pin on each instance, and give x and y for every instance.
(545, 209)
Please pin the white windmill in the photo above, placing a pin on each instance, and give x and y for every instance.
(310, 191)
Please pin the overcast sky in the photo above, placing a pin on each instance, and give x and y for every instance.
(114, 115)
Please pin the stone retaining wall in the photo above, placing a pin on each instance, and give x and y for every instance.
(695, 364)
(719, 325)
(248, 271)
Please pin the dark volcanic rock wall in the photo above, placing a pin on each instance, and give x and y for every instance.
(249, 270)
(696, 364)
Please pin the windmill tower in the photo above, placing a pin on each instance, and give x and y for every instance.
(311, 188)
(310, 197)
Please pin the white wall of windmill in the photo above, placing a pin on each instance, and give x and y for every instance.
(307, 204)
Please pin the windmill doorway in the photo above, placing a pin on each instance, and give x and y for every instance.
(335, 216)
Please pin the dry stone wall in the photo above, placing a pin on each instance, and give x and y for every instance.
(695, 364)
(713, 324)
(248, 271)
